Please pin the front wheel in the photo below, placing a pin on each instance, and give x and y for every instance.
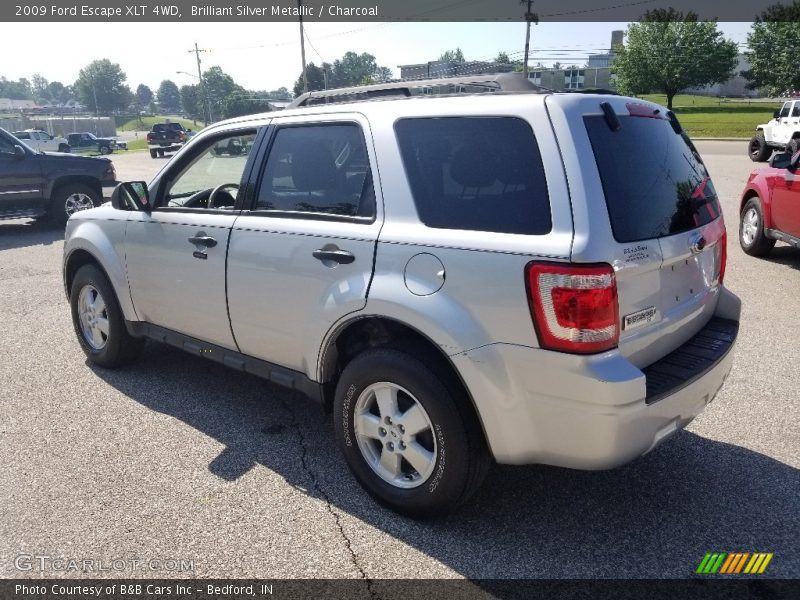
(105, 149)
(72, 198)
(757, 149)
(403, 435)
(98, 320)
(63, 148)
(752, 238)
(793, 146)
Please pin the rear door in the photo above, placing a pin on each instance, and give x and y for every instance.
(785, 205)
(302, 256)
(652, 212)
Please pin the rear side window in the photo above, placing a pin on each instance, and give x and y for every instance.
(321, 169)
(654, 182)
(476, 174)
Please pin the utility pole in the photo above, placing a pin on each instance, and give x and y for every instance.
(203, 92)
(302, 45)
(529, 18)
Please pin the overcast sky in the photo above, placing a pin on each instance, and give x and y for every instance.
(266, 56)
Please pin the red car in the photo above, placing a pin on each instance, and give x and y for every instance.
(770, 206)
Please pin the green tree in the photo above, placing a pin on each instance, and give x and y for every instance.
(669, 51)
(774, 41)
(16, 90)
(191, 101)
(316, 79)
(169, 97)
(502, 58)
(39, 87)
(104, 81)
(453, 56)
(219, 86)
(144, 95)
(243, 102)
(59, 93)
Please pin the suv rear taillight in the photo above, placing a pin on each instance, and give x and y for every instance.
(574, 307)
(723, 255)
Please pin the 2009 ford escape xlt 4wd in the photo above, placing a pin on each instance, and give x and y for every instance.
(528, 278)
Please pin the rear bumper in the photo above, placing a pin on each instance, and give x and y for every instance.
(598, 411)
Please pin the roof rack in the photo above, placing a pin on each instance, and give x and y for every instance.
(475, 84)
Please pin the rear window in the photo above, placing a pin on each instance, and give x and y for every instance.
(654, 181)
(475, 173)
(162, 127)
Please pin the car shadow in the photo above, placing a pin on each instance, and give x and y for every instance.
(785, 255)
(21, 233)
(655, 517)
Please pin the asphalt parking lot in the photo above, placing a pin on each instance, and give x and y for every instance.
(178, 458)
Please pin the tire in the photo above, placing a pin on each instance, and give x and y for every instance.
(94, 308)
(63, 148)
(757, 149)
(449, 458)
(160, 153)
(793, 146)
(105, 149)
(71, 198)
(153, 154)
(751, 229)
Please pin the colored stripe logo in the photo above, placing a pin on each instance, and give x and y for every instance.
(733, 563)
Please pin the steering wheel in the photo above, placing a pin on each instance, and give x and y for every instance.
(217, 190)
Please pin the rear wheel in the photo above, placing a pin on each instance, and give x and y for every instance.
(63, 147)
(160, 153)
(752, 238)
(153, 154)
(98, 320)
(72, 198)
(404, 435)
(758, 149)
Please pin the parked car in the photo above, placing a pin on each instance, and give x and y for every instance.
(166, 137)
(42, 141)
(781, 133)
(88, 142)
(770, 206)
(527, 278)
(40, 184)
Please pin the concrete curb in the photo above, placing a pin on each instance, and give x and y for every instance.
(719, 139)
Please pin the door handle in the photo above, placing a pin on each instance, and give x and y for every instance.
(342, 257)
(203, 240)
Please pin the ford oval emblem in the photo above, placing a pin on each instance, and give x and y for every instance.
(696, 243)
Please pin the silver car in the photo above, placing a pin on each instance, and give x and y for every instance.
(519, 278)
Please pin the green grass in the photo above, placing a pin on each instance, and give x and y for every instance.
(704, 116)
(146, 123)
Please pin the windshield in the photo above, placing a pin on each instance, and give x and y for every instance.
(654, 181)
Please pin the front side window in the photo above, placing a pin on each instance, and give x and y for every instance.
(6, 148)
(211, 180)
(785, 110)
(320, 169)
(476, 174)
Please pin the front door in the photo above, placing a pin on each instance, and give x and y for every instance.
(301, 257)
(175, 256)
(20, 180)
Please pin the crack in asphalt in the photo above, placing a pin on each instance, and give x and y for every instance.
(295, 424)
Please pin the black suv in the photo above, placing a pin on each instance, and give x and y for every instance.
(38, 184)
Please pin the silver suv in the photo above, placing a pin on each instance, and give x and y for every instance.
(517, 277)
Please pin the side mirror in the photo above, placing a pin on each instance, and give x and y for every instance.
(19, 152)
(131, 195)
(780, 160)
(776, 114)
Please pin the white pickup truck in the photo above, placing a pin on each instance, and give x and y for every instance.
(781, 133)
(41, 140)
